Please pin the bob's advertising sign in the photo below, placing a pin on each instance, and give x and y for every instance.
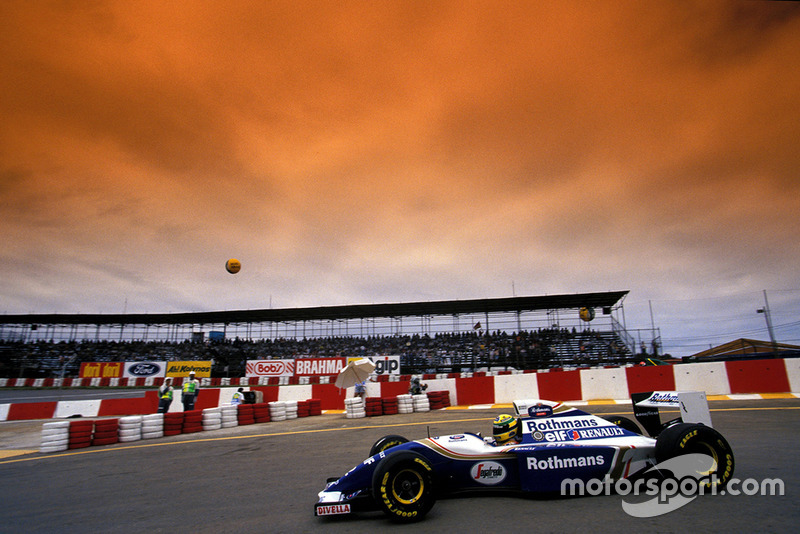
(269, 368)
(201, 369)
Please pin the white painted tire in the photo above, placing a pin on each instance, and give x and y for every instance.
(229, 424)
(130, 419)
(56, 424)
(153, 417)
(126, 439)
(152, 435)
(405, 410)
(130, 432)
(278, 418)
(49, 432)
(59, 448)
(216, 426)
(151, 422)
(55, 442)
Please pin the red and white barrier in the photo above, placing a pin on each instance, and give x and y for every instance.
(715, 378)
(793, 373)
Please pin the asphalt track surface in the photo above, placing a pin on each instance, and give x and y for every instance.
(11, 396)
(265, 478)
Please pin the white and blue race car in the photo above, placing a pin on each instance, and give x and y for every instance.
(404, 478)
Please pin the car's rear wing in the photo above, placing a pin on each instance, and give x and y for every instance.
(693, 407)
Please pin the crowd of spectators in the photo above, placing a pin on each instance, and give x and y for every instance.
(419, 353)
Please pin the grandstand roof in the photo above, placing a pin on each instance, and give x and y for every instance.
(356, 311)
(744, 347)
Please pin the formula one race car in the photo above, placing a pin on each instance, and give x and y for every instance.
(403, 478)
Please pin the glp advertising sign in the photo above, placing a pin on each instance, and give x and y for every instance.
(384, 365)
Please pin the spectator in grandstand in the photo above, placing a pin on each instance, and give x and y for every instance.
(417, 387)
(238, 397)
(165, 395)
(191, 390)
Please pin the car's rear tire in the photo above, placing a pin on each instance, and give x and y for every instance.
(688, 438)
(623, 422)
(386, 442)
(403, 486)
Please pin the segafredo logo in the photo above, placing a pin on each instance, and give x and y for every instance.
(488, 473)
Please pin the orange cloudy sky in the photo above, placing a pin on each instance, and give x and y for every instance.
(359, 152)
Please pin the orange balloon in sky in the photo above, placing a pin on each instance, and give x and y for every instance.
(233, 266)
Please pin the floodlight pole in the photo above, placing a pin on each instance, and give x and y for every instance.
(768, 318)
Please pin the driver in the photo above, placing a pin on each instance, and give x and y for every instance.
(506, 430)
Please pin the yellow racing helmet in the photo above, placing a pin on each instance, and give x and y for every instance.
(505, 428)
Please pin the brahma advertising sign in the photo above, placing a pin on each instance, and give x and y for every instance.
(270, 368)
(318, 366)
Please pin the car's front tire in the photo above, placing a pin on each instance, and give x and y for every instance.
(403, 486)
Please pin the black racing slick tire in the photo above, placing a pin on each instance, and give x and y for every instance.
(688, 438)
(403, 486)
(386, 442)
(623, 422)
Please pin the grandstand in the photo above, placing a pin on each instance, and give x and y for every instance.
(530, 332)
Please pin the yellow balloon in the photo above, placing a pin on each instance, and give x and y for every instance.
(233, 266)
